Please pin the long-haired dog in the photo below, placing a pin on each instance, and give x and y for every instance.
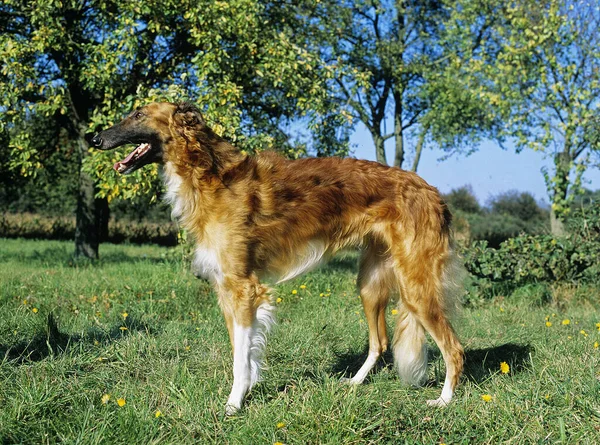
(265, 217)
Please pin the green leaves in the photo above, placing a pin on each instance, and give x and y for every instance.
(540, 258)
(84, 65)
(538, 69)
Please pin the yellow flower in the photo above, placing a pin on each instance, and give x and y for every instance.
(321, 294)
(25, 303)
(486, 398)
(582, 332)
(596, 345)
(294, 292)
(35, 310)
(548, 323)
(278, 443)
(157, 413)
(279, 300)
(554, 315)
(105, 398)
(598, 325)
(394, 311)
(501, 309)
(280, 425)
(566, 321)
(123, 328)
(303, 286)
(504, 368)
(121, 402)
(124, 315)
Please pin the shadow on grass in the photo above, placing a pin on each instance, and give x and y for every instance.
(479, 363)
(343, 263)
(347, 364)
(52, 341)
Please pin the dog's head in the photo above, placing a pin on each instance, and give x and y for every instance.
(151, 129)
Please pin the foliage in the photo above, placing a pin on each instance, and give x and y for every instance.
(505, 216)
(519, 204)
(83, 65)
(36, 226)
(529, 259)
(385, 58)
(538, 68)
(463, 199)
(494, 228)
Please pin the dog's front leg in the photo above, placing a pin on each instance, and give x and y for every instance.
(242, 338)
(248, 313)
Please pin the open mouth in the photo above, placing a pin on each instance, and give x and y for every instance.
(133, 159)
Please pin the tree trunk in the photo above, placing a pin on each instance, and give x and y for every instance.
(398, 132)
(87, 225)
(419, 148)
(379, 148)
(557, 226)
(562, 162)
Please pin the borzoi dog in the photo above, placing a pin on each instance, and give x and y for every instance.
(265, 217)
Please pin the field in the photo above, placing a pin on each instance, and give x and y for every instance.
(139, 330)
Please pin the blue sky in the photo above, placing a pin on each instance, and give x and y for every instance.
(489, 171)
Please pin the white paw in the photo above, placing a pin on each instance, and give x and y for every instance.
(347, 381)
(438, 402)
(231, 410)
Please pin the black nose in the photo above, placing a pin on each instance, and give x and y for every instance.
(97, 140)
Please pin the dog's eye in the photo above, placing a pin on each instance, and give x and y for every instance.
(138, 115)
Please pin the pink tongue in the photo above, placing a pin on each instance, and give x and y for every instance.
(124, 161)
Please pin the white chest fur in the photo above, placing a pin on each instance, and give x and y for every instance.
(173, 184)
(207, 263)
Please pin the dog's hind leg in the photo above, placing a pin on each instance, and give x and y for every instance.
(374, 281)
(425, 276)
(250, 311)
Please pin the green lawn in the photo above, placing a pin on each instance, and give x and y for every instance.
(138, 326)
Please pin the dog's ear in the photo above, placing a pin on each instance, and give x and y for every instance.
(187, 115)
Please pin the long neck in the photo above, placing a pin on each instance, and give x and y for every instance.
(194, 169)
(203, 153)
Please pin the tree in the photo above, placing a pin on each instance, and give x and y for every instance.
(387, 59)
(463, 199)
(83, 64)
(539, 70)
(521, 205)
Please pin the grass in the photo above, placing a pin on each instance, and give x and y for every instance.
(65, 342)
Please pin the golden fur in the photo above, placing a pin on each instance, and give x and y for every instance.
(263, 216)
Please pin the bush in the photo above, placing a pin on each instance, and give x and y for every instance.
(29, 225)
(530, 259)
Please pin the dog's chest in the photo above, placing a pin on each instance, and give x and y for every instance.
(173, 184)
(207, 263)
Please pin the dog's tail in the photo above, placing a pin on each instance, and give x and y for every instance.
(410, 348)
(409, 343)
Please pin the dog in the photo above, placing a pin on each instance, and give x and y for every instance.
(263, 217)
